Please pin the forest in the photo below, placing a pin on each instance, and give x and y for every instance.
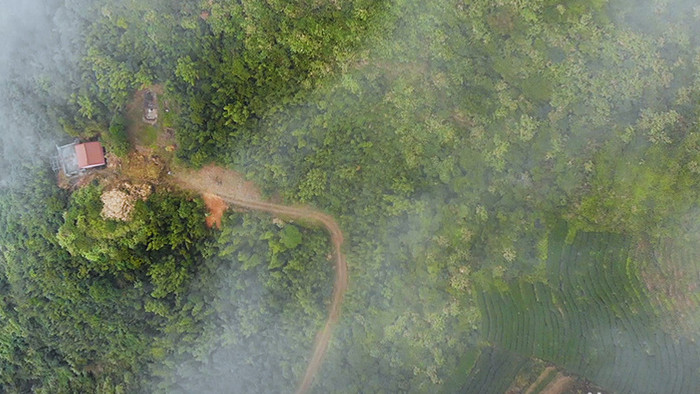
(517, 182)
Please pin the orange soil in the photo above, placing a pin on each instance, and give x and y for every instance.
(216, 207)
(232, 188)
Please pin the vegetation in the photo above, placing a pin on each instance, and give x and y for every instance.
(116, 139)
(517, 182)
(102, 305)
(591, 317)
(162, 239)
(496, 369)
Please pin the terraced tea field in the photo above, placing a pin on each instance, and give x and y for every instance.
(593, 318)
(672, 276)
(495, 369)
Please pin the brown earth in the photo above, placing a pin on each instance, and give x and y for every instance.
(233, 189)
(216, 207)
(217, 180)
(560, 384)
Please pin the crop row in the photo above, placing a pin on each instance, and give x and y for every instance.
(494, 371)
(593, 318)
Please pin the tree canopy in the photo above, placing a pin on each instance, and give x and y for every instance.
(517, 183)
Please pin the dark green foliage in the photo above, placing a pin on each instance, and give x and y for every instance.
(160, 243)
(226, 80)
(235, 79)
(116, 139)
(135, 305)
(64, 332)
(291, 237)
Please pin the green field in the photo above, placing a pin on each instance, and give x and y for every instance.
(593, 318)
(495, 370)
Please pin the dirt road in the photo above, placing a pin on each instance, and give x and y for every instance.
(233, 189)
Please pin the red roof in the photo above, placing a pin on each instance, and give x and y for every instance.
(90, 154)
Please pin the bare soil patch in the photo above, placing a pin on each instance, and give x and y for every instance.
(140, 167)
(217, 180)
(63, 181)
(216, 207)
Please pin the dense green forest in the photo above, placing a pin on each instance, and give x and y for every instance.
(518, 184)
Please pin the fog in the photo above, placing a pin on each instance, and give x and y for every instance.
(38, 54)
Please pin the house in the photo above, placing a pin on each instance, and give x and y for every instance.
(76, 157)
(90, 154)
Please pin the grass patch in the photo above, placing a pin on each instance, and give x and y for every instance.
(148, 136)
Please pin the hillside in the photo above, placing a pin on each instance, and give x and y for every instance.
(357, 196)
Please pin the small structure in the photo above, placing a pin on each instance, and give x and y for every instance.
(75, 157)
(90, 155)
(150, 108)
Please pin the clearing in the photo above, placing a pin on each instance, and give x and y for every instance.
(148, 134)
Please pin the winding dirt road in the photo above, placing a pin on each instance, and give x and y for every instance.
(233, 189)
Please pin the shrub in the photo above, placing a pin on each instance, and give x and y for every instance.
(116, 139)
